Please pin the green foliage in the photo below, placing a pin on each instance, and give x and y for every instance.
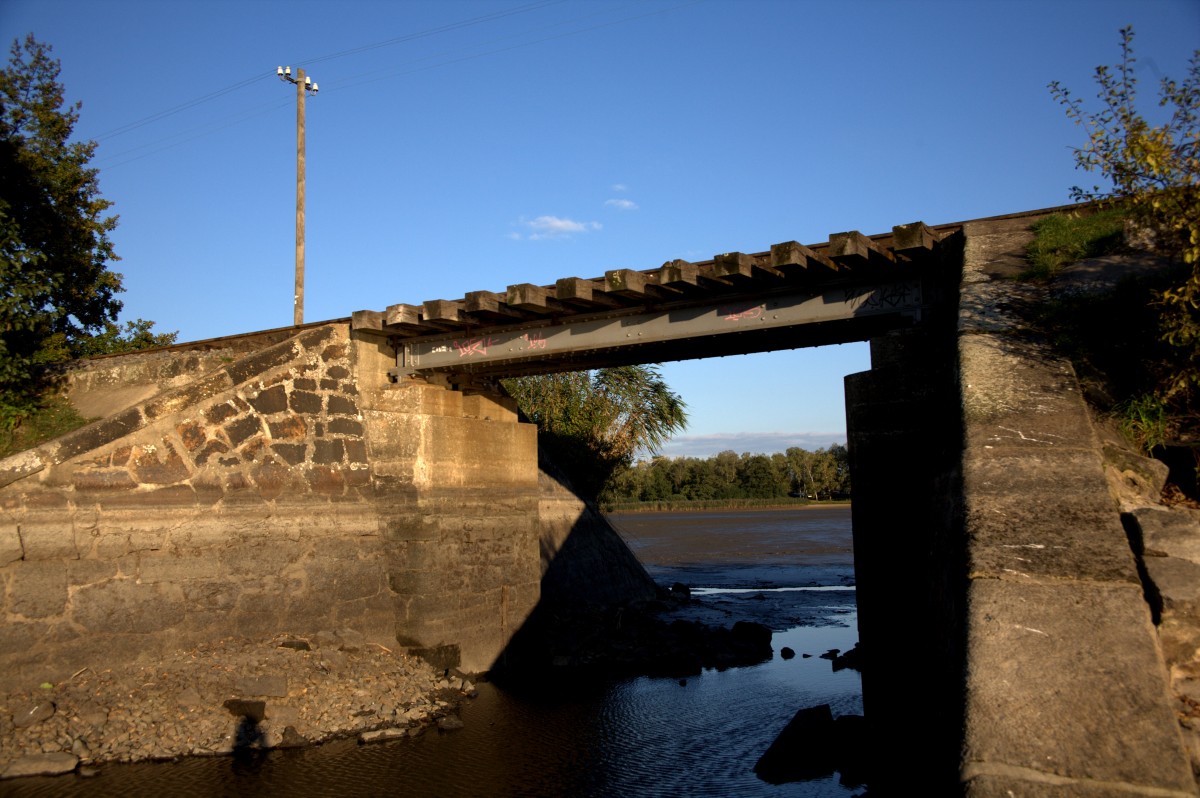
(1154, 171)
(53, 417)
(57, 295)
(1143, 420)
(593, 423)
(1115, 344)
(697, 504)
(114, 339)
(1065, 238)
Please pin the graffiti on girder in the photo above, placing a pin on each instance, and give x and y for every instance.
(882, 298)
(741, 311)
(474, 346)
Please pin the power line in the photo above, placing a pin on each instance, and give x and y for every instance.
(352, 51)
(374, 76)
(176, 139)
(433, 31)
(178, 108)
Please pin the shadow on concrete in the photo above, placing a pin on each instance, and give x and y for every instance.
(602, 615)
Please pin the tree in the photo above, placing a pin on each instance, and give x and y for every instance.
(56, 289)
(1154, 171)
(114, 339)
(595, 422)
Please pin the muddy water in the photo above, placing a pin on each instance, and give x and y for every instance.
(790, 569)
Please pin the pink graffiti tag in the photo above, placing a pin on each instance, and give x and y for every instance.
(741, 312)
(473, 346)
(535, 340)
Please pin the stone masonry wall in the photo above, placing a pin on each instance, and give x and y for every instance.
(288, 488)
(237, 504)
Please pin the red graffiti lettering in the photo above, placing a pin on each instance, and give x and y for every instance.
(534, 340)
(473, 346)
(741, 312)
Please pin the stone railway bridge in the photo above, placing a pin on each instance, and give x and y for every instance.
(368, 472)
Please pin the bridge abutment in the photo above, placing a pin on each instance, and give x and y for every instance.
(286, 486)
(904, 445)
(456, 484)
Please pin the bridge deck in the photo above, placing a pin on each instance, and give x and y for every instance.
(851, 288)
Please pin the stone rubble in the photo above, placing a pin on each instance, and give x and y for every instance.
(223, 695)
(1164, 531)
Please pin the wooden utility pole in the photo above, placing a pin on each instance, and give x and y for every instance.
(304, 86)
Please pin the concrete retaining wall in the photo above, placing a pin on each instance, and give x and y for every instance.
(1066, 690)
(280, 488)
(238, 503)
(1004, 616)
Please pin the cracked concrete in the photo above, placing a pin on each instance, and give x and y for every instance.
(1067, 691)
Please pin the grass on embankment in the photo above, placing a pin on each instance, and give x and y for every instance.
(1115, 338)
(1068, 237)
(54, 417)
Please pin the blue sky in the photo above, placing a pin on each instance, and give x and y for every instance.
(458, 146)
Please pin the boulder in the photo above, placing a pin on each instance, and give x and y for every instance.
(813, 745)
(803, 750)
(381, 735)
(41, 765)
(33, 714)
(851, 659)
(292, 738)
(350, 640)
(1170, 532)
(254, 711)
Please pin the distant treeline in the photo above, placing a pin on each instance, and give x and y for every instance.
(796, 473)
(713, 504)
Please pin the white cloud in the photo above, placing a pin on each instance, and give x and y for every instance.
(622, 204)
(620, 187)
(554, 227)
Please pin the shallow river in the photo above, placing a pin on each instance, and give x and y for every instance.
(790, 569)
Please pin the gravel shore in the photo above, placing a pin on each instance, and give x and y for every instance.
(220, 696)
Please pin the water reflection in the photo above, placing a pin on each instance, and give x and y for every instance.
(638, 737)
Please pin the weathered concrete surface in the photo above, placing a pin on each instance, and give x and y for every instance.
(283, 487)
(457, 488)
(238, 503)
(905, 449)
(1169, 543)
(1066, 689)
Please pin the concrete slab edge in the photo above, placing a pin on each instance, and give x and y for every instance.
(1009, 384)
(106, 430)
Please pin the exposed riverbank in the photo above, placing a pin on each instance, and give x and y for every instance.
(574, 735)
(719, 504)
(220, 697)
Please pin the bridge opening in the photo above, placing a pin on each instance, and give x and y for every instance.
(895, 293)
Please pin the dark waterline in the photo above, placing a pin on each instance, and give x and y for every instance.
(637, 737)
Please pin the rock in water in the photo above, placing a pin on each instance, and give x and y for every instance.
(851, 757)
(449, 723)
(41, 765)
(851, 659)
(803, 750)
(382, 735)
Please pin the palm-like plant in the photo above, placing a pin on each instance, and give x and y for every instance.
(593, 422)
